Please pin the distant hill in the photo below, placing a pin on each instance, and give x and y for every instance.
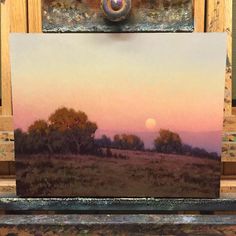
(211, 141)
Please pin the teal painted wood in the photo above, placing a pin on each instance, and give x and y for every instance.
(39, 225)
(118, 205)
(93, 220)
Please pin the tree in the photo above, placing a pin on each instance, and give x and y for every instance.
(200, 152)
(20, 141)
(168, 142)
(104, 141)
(75, 127)
(128, 141)
(187, 149)
(37, 138)
(39, 127)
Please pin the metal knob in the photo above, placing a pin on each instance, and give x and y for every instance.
(116, 10)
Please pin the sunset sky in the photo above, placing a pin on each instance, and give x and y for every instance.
(124, 82)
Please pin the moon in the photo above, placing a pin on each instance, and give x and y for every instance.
(150, 123)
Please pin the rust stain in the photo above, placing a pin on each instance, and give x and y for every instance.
(145, 15)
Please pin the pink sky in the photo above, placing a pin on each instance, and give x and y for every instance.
(121, 81)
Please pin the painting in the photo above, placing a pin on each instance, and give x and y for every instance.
(118, 115)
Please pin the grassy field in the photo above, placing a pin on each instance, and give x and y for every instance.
(125, 174)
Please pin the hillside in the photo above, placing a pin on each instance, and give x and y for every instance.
(126, 174)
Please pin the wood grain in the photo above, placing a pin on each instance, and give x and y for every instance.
(228, 186)
(5, 59)
(18, 15)
(6, 147)
(6, 153)
(219, 19)
(7, 187)
(234, 108)
(228, 152)
(6, 123)
(199, 15)
(34, 16)
(142, 224)
(229, 29)
(230, 123)
(215, 15)
(229, 169)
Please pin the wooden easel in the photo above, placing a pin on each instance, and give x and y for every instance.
(26, 16)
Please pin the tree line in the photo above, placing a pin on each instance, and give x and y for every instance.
(166, 142)
(69, 131)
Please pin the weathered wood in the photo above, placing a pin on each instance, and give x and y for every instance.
(228, 187)
(6, 152)
(229, 151)
(234, 56)
(5, 59)
(228, 29)
(229, 137)
(219, 19)
(228, 78)
(95, 220)
(234, 108)
(215, 15)
(86, 16)
(199, 15)
(6, 123)
(229, 168)
(18, 15)
(230, 124)
(34, 16)
(6, 143)
(111, 205)
(7, 187)
(117, 225)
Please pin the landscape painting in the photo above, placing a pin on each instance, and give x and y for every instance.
(118, 115)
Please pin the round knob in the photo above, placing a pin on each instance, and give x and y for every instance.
(116, 4)
(116, 10)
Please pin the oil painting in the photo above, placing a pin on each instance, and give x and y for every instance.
(118, 115)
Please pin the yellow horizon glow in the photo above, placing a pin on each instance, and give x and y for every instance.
(120, 80)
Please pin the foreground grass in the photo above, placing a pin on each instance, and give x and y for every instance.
(126, 174)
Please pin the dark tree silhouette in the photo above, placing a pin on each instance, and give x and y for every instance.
(37, 138)
(67, 131)
(70, 131)
(128, 141)
(168, 142)
(104, 141)
(20, 141)
(187, 149)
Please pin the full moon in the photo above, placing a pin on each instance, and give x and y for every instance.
(150, 123)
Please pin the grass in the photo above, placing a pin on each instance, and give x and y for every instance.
(126, 174)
